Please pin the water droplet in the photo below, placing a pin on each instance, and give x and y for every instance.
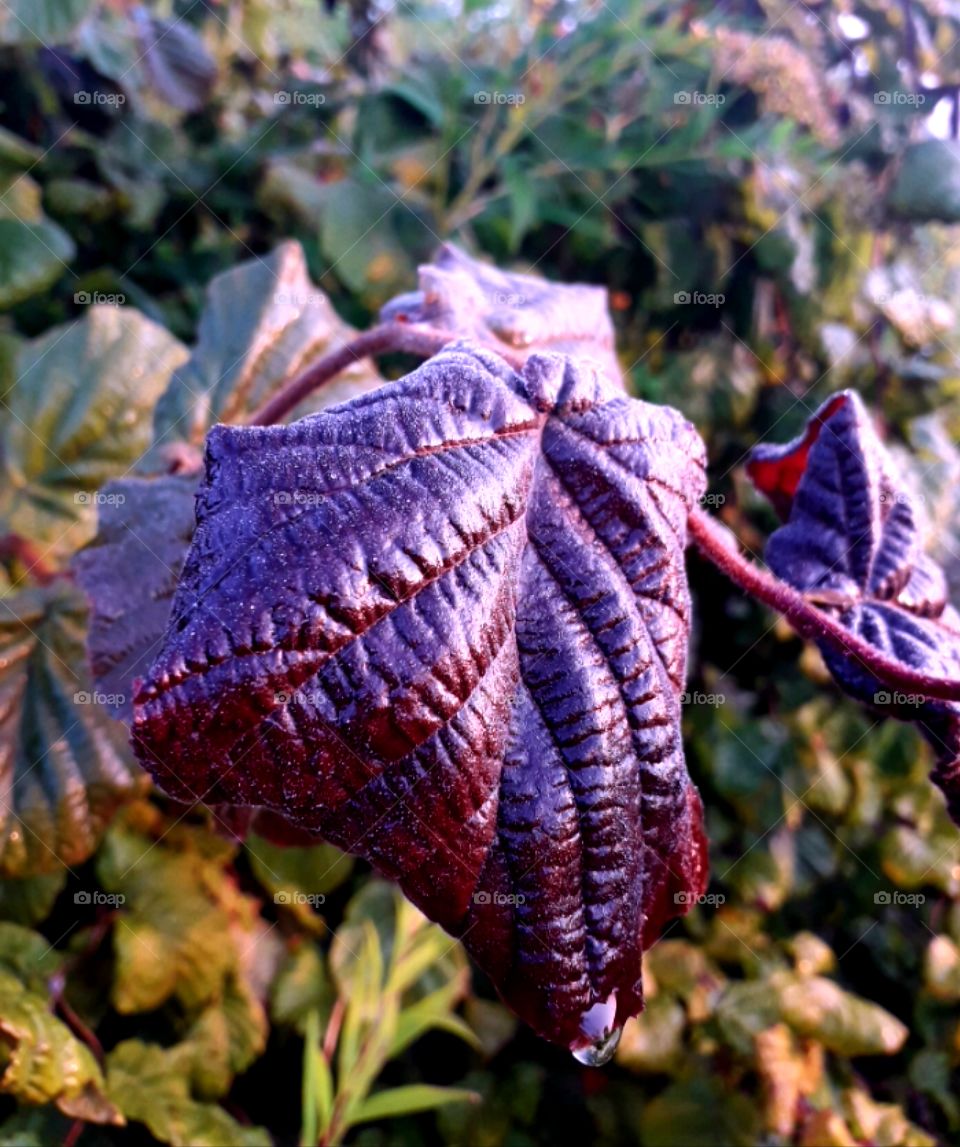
(601, 1052)
(597, 1025)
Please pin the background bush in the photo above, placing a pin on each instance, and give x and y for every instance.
(768, 190)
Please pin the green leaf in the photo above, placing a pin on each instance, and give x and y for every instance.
(357, 966)
(820, 1009)
(150, 1085)
(318, 1088)
(173, 935)
(42, 1060)
(301, 988)
(30, 899)
(927, 185)
(299, 879)
(653, 1042)
(431, 1013)
(76, 416)
(699, 1112)
(64, 764)
(32, 257)
(263, 322)
(40, 22)
(414, 1097)
(361, 256)
(227, 1038)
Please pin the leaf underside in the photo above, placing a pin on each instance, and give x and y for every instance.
(445, 627)
(851, 542)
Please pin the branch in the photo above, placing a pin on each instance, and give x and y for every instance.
(717, 544)
(387, 338)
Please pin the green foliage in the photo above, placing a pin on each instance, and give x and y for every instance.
(755, 186)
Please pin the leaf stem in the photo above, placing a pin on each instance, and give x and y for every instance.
(716, 543)
(387, 338)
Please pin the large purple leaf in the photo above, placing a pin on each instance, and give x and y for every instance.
(445, 626)
(504, 309)
(851, 542)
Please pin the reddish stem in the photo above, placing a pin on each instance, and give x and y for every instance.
(388, 338)
(716, 543)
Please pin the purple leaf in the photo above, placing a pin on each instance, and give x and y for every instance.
(851, 543)
(445, 627)
(503, 309)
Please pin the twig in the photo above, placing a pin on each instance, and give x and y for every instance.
(713, 540)
(387, 338)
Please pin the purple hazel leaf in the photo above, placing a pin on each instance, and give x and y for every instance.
(504, 309)
(445, 627)
(851, 543)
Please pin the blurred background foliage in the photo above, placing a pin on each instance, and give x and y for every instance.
(769, 190)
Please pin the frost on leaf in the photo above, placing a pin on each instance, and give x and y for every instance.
(445, 626)
(851, 542)
(503, 309)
